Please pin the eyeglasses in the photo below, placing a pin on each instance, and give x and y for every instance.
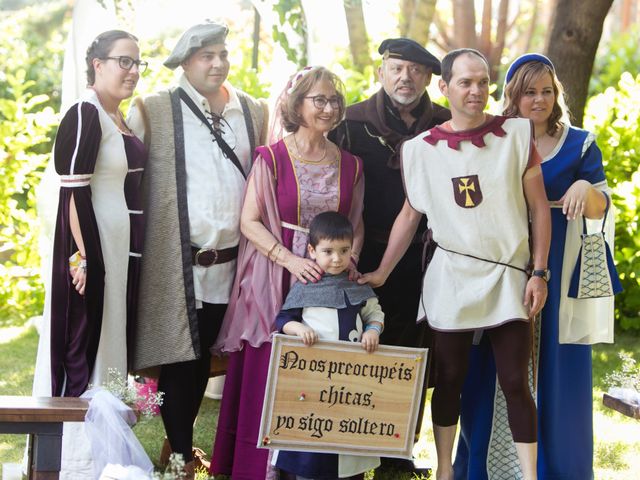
(320, 101)
(127, 63)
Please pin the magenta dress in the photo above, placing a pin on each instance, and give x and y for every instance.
(292, 192)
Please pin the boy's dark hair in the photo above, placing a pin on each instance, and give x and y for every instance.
(329, 226)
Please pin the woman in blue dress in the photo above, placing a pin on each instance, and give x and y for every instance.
(574, 181)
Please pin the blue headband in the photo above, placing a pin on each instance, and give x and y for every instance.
(526, 58)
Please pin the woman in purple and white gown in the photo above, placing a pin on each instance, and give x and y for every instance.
(90, 302)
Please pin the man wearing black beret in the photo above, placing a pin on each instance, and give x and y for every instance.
(373, 130)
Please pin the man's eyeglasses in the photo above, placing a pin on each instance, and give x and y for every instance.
(127, 63)
(320, 101)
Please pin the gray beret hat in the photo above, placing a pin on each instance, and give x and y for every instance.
(193, 39)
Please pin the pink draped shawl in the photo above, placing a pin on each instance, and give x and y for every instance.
(258, 290)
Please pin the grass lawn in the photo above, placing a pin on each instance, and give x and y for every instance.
(617, 438)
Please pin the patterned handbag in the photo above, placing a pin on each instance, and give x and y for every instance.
(595, 274)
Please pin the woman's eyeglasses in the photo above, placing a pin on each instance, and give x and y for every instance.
(127, 63)
(320, 101)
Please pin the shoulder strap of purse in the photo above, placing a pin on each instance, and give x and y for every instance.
(224, 146)
(604, 219)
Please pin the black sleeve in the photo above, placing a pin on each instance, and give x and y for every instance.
(286, 316)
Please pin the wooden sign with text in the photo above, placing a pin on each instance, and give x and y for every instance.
(334, 397)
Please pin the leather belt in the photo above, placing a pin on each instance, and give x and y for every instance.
(206, 257)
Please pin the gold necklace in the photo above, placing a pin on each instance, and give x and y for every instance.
(324, 154)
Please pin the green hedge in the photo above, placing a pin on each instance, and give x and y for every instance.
(614, 116)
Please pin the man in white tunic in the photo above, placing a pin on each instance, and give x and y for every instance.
(201, 135)
(478, 179)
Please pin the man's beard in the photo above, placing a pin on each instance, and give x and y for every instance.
(404, 100)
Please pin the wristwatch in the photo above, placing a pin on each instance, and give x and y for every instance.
(543, 274)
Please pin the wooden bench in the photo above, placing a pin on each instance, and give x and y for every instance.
(41, 418)
(621, 406)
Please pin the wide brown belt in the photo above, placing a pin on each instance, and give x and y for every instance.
(206, 257)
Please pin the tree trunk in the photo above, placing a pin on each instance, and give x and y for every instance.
(256, 39)
(358, 39)
(548, 17)
(626, 15)
(406, 11)
(484, 45)
(575, 34)
(464, 24)
(532, 27)
(420, 21)
(495, 54)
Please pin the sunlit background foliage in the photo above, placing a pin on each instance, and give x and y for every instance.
(32, 40)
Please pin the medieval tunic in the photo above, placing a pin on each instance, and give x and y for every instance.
(469, 184)
(171, 287)
(214, 189)
(337, 309)
(289, 194)
(85, 336)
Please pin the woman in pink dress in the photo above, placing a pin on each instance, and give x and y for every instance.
(292, 180)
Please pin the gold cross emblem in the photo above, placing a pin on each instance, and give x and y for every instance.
(466, 185)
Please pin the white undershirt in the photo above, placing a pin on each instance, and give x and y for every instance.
(214, 190)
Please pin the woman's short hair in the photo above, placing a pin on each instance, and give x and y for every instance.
(525, 76)
(289, 108)
(101, 48)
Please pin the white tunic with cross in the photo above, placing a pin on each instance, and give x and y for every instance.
(469, 185)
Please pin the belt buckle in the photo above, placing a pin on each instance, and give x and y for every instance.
(203, 259)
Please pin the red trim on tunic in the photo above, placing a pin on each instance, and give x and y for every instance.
(475, 135)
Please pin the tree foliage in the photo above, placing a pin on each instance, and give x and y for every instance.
(31, 51)
(31, 54)
(620, 54)
(291, 30)
(614, 116)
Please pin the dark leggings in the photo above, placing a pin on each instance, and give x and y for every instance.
(511, 345)
(184, 383)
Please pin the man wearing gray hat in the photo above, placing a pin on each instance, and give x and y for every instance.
(201, 134)
(373, 130)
